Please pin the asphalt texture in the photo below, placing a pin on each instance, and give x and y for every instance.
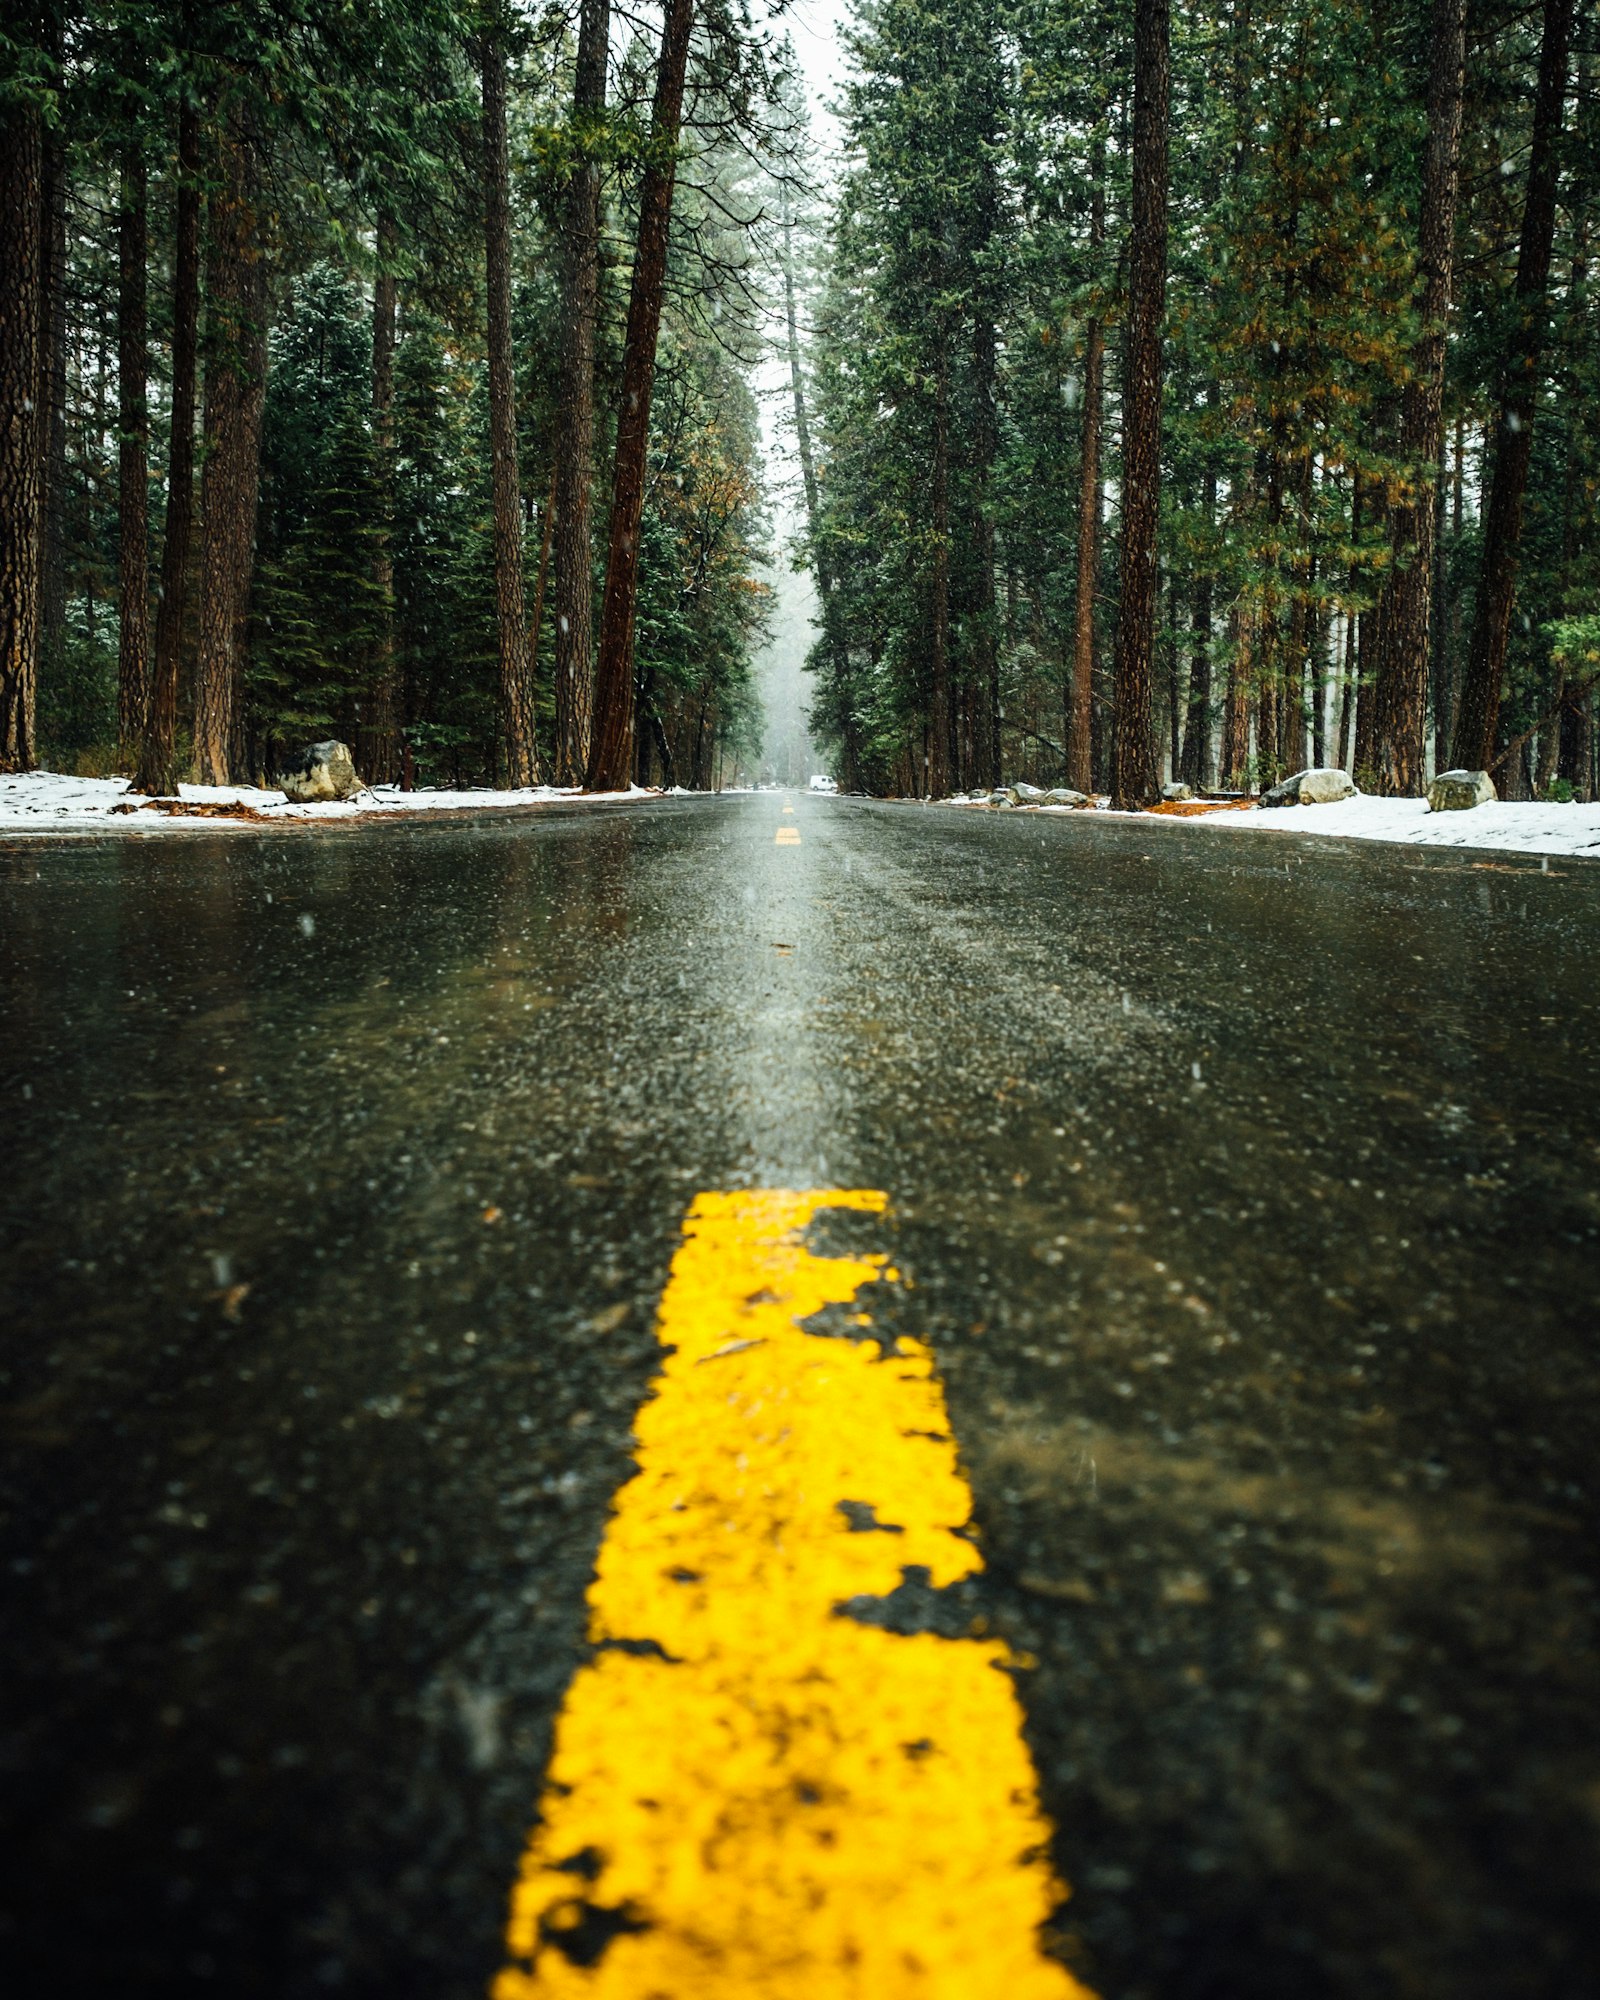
(1248, 1191)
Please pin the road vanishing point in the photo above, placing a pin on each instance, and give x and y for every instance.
(791, 1397)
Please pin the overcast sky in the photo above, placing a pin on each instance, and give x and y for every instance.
(813, 27)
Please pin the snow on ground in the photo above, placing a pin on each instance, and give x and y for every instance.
(1511, 826)
(49, 802)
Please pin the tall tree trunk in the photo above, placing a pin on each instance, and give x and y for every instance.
(984, 765)
(574, 653)
(1194, 757)
(1577, 711)
(1198, 768)
(1174, 694)
(546, 531)
(53, 411)
(611, 750)
(986, 635)
(1406, 607)
(22, 235)
(516, 669)
(1236, 707)
(1293, 736)
(940, 717)
(1133, 777)
(1080, 714)
(1320, 657)
(157, 773)
(1478, 720)
(380, 744)
(1269, 762)
(1367, 664)
(133, 457)
(1347, 693)
(1577, 741)
(236, 364)
(1270, 651)
(1440, 678)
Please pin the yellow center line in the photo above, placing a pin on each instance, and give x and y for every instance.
(751, 1796)
(787, 836)
(789, 810)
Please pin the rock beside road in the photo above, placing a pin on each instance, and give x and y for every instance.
(320, 771)
(1460, 791)
(1319, 787)
(1006, 798)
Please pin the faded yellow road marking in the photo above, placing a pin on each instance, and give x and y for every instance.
(787, 836)
(750, 1796)
(789, 809)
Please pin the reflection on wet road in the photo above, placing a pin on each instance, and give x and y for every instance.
(1244, 1209)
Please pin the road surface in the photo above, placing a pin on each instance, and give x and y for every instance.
(407, 1234)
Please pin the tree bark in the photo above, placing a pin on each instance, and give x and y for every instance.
(516, 669)
(1478, 719)
(1574, 751)
(1366, 755)
(984, 764)
(236, 364)
(133, 457)
(1269, 764)
(22, 235)
(986, 635)
(1440, 676)
(379, 745)
(1080, 714)
(574, 650)
(1347, 693)
(1576, 754)
(1196, 766)
(157, 774)
(940, 716)
(1292, 737)
(546, 533)
(53, 409)
(1133, 776)
(1321, 646)
(1175, 704)
(1236, 708)
(1406, 607)
(611, 751)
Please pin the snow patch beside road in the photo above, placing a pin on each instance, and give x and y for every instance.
(1513, 826)
(51, 802)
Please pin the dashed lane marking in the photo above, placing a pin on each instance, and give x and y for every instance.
(751, 1792)
(787, 836)
(789, 810)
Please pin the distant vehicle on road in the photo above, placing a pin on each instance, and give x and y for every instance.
(823, 783)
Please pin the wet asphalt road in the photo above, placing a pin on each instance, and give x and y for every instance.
(1248, 1190)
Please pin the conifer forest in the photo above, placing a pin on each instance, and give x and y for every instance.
(799, 999)
(1175, 393)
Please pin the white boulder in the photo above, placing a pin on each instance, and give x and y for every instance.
(1324, 786)
(1460, 791)
(320, 772)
